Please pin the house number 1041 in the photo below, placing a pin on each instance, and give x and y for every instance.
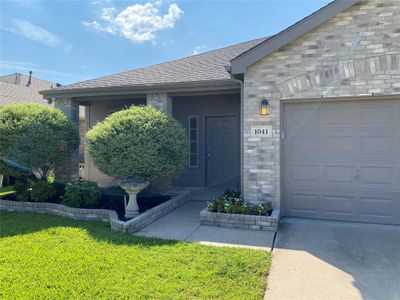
(261, 131)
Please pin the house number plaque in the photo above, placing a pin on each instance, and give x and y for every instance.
(261, 131)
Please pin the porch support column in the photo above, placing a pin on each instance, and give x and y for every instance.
(71, 109)
(161, 101)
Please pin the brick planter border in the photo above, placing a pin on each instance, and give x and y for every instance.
(266, 223)
(103, 215)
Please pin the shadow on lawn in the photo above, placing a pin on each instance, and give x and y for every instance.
(20, 223)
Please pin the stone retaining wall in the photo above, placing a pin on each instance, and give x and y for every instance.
(267, 223)
(103, 215)
(59, 210)
(151, 215)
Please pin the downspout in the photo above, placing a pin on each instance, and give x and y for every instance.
(241, 131)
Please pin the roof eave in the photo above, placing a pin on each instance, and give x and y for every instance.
(240, 63)
(196, 86)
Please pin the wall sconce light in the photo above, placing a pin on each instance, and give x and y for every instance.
(265, 108)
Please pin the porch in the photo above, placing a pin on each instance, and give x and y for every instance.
(212, 122)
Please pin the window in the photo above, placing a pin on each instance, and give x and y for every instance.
(193, 141)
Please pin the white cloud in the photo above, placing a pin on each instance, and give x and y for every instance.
(35, 33)
(199, 49)
(138, 22)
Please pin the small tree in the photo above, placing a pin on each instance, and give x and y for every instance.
(36, 136)
(140, 143)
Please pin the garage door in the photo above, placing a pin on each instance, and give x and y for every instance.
(341, 160)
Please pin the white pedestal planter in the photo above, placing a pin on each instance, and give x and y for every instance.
(132, 188)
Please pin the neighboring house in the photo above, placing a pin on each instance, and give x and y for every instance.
(308, 118)
(19, 88)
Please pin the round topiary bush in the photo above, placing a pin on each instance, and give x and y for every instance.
(36, 137)
(140, 143)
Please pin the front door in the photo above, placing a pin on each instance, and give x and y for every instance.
(222, 145)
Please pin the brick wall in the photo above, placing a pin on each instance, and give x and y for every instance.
(266, 223)
(355, 53)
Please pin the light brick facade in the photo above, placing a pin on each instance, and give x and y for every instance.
(356, 53)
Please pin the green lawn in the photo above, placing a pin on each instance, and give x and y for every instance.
(49, 257)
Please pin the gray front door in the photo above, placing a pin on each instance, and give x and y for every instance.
(341, 160)
(222, 145)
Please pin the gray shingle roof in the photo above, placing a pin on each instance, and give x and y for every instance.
(207, 66)
(13, 89)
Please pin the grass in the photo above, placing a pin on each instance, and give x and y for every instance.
(49, 257)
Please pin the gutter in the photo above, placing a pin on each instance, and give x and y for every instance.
(211, 85)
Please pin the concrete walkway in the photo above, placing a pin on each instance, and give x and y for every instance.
(184, 224)
(315, 259)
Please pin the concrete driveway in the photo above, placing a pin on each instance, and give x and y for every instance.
(335, 260)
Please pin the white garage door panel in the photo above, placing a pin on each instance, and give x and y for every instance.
(379, 207)
(341, 160)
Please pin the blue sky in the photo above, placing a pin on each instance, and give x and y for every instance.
(69, 41)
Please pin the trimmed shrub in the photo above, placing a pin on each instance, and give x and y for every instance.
(22, 190)
(140, 143)
(231, 202)
(60, 188)
(83, 194)
(43, 191)
(36, 137)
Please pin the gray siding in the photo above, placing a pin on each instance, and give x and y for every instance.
(202, 106)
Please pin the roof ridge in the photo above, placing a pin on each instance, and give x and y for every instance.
(2, 77)
(15, 73)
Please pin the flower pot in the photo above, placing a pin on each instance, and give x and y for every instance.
(132, 188)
